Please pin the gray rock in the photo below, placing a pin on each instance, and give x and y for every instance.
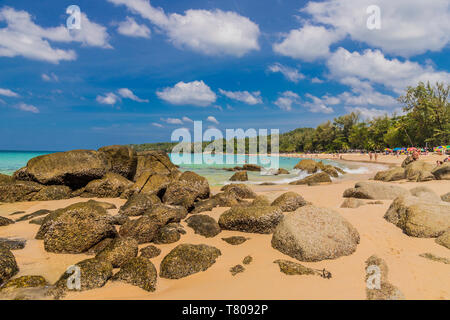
(375, 191)
(314, 234)
(289, 201)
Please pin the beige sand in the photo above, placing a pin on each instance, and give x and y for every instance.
(417, 278)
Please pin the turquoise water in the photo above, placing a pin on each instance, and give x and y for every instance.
(11, 161)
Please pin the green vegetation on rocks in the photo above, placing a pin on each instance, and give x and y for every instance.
(263, 219)
(119, 251)
(240, 191)
(187, 259)
(138, 271)
(8, 264)
(138, 204)
(150, 252)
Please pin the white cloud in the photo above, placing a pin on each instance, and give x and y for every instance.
(8, 93)
(408, 27)
(370, 113)
(49, 77)
(373, 66)
(155, 124)
(131, 28)
(286, 100)
(317, 105)
(308, 43)
(210, 32)
(172, 121)
(251, 98)
(195, 93)
(109, 98)
(316, 80)
(289, 73)
(27, 108)
(212, 119)
(127, 93)
(22, 37)
(186, 119)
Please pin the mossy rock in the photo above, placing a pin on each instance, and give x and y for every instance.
(13, 243)
(5, 178)
(143, 229)
(239, 191)
(261, 201)
(74, 169)
(138, 204)
(253, 219)
(307, 165)
(235, 240)
(150, 252)
(39, 213)
(53, 193)
(282, 171)
(292, 268)
(19, 191)
(94, 273)
(444, 239)
(119, 251)
(446, 197)
(247, 260)
(169, 234)
(237, 269)
(8, 264)
(154, 162)
(138, 271)
(5, 221)
(419, 171)
(239, 176)
(321, 177)
(393, 174)
(24, 282)
(352, 203)
(204, 225)
(167, 213)
(289, 201)
(187, 259)
(123, 160)
(435, 258)
(442, 172)
(375, 191)
(386, 291)
(189, 188)
(104, 205)
(226, 199)
(112, 185)
(99, 246)
(205, 205)
(76, 228)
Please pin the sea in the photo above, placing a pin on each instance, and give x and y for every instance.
(10, 161)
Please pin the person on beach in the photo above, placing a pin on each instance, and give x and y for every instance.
(370, 155)
(376, 156)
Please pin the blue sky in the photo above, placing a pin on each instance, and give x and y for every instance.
(137, 70)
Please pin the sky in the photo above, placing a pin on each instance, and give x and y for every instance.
(136, 70)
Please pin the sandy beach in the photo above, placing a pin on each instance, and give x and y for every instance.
(415, 276)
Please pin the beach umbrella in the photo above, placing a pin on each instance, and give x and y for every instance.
(387, 149)
(412, 149)
(397, 149)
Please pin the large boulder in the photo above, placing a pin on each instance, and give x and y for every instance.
(144, 229)
(187, 259)
(289, 201)
(419, 217)
(307, 165)
(19, 191)
(419, 171)
(321, 177)
(93, 274)
(22, 174)
(239, 190)
(8, 264)
(314, 234)
(164, 213)
(112, 185)
(52, 193)
(393, 174)
(150, 183)
(375, 191)
(251, 219)
(154, 162)
(408, 160)
(72, 168)
(5, 178)
(169, 233)
(138, 204)
(186, 190)
(425, 193)
(442, 172)
(380, 289)
(138, 271)
(119, 251)
(123, 160)
(239, 176)
(204, 225)
(76, 228)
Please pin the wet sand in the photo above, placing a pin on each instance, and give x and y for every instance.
(416, 277)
